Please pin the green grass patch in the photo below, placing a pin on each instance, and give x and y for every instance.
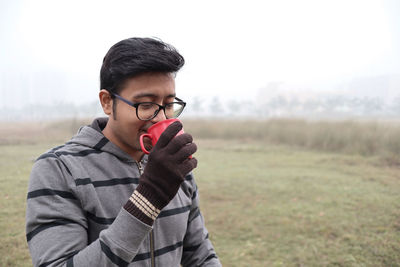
(275, 206)
(15, 166)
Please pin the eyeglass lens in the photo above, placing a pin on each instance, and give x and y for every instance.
(146, 111)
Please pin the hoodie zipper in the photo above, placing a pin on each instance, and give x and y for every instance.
(140, 167)
(153, 263)
(152, 258)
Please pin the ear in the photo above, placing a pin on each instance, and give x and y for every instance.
(106, 101)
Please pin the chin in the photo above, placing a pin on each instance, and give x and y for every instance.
(147, 144)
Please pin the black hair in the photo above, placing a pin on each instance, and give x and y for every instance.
(134, 56)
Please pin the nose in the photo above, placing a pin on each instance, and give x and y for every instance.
(160, 116)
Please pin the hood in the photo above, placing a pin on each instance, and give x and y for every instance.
(91, 136)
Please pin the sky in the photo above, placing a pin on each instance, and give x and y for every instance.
(51, 51)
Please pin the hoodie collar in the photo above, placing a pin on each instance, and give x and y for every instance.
(92, 136)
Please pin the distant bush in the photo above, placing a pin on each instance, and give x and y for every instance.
(367, 138)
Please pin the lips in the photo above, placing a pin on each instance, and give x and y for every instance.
(142, 132)
(145, 128)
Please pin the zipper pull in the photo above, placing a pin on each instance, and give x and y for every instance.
(140, 167)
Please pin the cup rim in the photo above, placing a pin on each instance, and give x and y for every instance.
(161, 122)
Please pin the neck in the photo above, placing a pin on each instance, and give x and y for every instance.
(134, 153)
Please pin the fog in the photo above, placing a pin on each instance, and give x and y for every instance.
(314, 59)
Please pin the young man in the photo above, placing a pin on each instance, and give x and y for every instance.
(98, 200)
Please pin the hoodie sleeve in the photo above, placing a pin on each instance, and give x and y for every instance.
(197, 247)
(57, 229)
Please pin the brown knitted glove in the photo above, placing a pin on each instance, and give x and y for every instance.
(166, 169)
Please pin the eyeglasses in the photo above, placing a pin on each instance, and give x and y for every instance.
(146, 111)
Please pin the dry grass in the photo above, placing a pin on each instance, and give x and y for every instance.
(39, 132)
(367, 138)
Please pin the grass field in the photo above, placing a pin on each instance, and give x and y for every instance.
(265, 204)
(275, 206)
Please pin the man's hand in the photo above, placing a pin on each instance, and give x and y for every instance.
(169, 163)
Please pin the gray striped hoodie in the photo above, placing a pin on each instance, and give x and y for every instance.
(74, 214)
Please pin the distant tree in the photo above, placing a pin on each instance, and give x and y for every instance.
(311, 106)
(356, 106)
(333, 104)
(195, 107)
(196, 104)
(372, 106)
(234, 107)
(278, 104)
(293, 105)
(395, 106)
(215, 107)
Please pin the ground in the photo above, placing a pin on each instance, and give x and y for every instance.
(264, 204)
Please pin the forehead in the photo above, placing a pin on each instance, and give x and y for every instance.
(156, 84)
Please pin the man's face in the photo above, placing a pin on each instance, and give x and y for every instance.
(126, 128)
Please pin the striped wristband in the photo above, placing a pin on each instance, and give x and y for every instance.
(140, 207)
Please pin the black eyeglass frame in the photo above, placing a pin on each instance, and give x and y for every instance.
(160, 107)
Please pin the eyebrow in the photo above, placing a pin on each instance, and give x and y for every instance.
(141, 95)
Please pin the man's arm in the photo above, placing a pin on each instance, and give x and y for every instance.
(197, 247)
(57, 226)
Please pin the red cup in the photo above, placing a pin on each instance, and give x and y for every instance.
(155, 131)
